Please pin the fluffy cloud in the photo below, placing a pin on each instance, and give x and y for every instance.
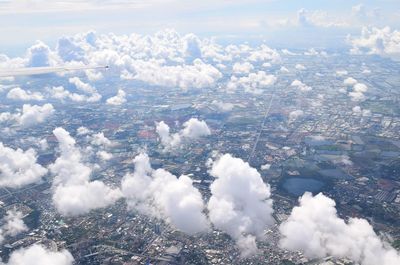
(19, 168)
(40, 55)
(160, 194)
(315, 229)
(118, 99)
(29, 115)
(39, 255)
(384, 42)
(240, 203)
(196, 75)
(294, 115)
(362, 13)
(263, 54)
(35, 114)
(253, 83)
(361, 112)
(317, 18)
(73, 192)
(61, 93)
(191, 47)
(82, 131)
(18, 93)
(103, 155)
(12, 225)
(300, 67)
(242, 68)
(300, 85)
(192, 129)
(100, 140)
(342, 72)
(350, 81)
(358, 92)
(223, 106)
(92, 93)
(163, 59)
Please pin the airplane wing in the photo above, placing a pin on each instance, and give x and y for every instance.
(44, 70)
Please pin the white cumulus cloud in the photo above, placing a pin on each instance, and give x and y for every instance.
(384, 42)
(39, 255)
(118, 99)
(240, 203)
(300, 85)
(315, 229)
(19, 168)
(160, 194)
(73, 192)
(192, 129)
(18, 93)
(13, 224)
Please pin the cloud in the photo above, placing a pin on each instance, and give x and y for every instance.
(317, 18)
(13, 225)
(100, 140)
(341, 72)
(361, 112)
(283, 69)
(315, 229)
(18, 93)
(192, 129)
(40, 55)
(34, 114)
(103, 155)
(350, 81)
(358, 92)
(118, 99)
(196, 75)
(300, 67)
(242, 68)
(39, 255)
(253, 83)
(362, 13)
(263, 54)
(191, 47)
(300, 85)
(68, 50)
(223, 106)
(19, 168)
(240, 203)
(30, 115)
(384, 42)
(359, 87)
(73, 192)
(92, 93)
(83, 131)
(164, 59)
(294, 115)
(162, 195)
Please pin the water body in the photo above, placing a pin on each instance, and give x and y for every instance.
(296, 186)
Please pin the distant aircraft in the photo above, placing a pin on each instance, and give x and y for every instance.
(10, 72)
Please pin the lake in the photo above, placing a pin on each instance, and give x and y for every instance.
(297, 186)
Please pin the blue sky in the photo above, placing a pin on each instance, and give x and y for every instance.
(275, 21)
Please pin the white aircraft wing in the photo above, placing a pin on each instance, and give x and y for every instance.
(43, 70)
